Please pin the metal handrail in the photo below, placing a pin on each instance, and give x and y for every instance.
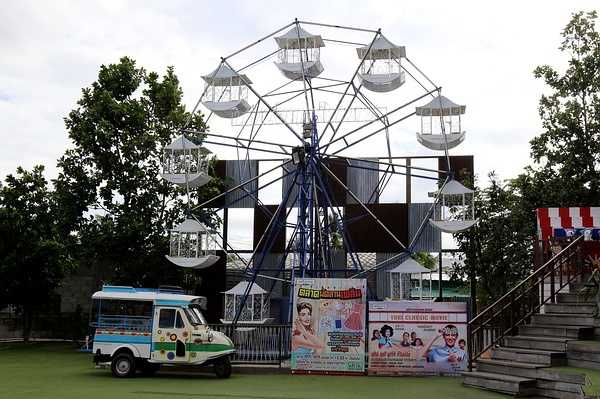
(490, 326)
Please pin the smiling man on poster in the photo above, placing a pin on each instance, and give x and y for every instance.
(448, 352)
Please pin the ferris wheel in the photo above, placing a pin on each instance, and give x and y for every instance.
(276, 93)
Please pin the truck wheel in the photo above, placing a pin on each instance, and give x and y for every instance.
(148, 369)
(123, 365)
(223, 367)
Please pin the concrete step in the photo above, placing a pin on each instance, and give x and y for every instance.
(556, 330)
(507, 384)
(548, 358)
(576, 287)
(585, 354)
(572, 297)
(579, 308)
(509, 367)
(573, 319)
(555, 344)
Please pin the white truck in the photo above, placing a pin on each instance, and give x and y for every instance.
(140, 329)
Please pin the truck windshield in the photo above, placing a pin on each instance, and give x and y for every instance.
(196, 315)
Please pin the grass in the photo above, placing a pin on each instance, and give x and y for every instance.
(52, 371)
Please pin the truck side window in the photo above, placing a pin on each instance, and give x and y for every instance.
(167, 318)
(179, 322)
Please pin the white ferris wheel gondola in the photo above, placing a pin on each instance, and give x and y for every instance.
(300, 54)
(192, 245)
(226, 92)
(455, 210)
(383, 72)
(185, 163)
(440, 124)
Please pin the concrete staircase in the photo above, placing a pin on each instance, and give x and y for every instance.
(521, 367)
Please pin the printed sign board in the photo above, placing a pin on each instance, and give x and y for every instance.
(328, 325)
(417, 337)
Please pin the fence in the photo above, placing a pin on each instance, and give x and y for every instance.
(258, 344)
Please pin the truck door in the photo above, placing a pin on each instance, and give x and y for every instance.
(170, 335)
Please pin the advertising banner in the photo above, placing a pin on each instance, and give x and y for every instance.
(417, 337)
(328, 326)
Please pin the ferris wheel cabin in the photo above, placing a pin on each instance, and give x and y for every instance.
(192, 245)
(456, 208)
(381, 70)
(299, 54)
(441, 124)
(226, 92)
(185, 163)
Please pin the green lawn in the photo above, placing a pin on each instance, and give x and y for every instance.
(49, 371)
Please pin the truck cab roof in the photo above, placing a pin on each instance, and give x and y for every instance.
(159, 296)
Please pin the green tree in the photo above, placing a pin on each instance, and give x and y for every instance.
(426, 259)
(497, 250)
(566, 155)
(33, 254)
(118, 204)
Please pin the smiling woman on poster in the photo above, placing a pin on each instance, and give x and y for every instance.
(304, 339)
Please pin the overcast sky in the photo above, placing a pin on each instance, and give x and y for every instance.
(482, 53)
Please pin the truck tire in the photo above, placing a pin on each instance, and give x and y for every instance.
(223, 367)
(123, 365)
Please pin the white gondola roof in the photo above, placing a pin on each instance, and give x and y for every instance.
(410, 266)
(225, 76)
(240, 289)
(290, 39)
(189, 226)
(439, 103)
(381, 49)
(181, 143)
(455, 188)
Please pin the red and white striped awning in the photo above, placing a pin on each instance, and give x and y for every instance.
(550, 219)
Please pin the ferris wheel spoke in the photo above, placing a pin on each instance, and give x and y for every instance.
(301, 91)
(330, 205)
(262, 39)
(240, 140)
(270, 234)
(421, 72)
(372, 134)
(362, 205)
(242, 184)
(377, 33)
(265, 102)
(339, 26)
(392, 164)
(379, 116)
(398, 257)
(386, 115)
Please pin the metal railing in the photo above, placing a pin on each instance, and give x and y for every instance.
(516, 307)
(258, 344)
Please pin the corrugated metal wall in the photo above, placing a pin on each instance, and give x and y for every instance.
(238, 172)
(430, 239)
(287, 181)
(363, 182)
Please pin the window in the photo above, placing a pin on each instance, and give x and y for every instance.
(167, 318)
(179, 322)
(122, 307)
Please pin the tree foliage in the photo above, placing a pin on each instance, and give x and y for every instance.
(34, 257)
(118, 204)
(566, 155)
(565, 170)
(497, 250)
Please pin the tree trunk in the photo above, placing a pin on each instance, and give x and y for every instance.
(27, 323)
